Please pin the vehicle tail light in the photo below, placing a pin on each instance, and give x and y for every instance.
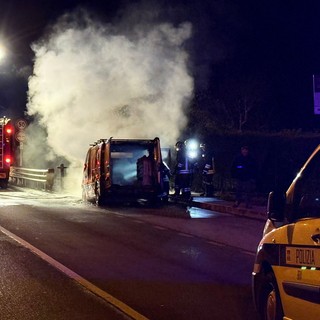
(9, 130)
(7, 160)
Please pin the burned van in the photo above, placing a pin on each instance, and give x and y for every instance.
(125, 170)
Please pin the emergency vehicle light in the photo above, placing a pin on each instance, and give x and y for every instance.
(192, 147)
(9, 130)
(7, 160)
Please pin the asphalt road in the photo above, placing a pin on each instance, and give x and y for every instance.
(30, 289)
(156, 270)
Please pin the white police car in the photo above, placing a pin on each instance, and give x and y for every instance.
(286, 274)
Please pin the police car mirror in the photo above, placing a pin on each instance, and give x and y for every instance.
(276, 205)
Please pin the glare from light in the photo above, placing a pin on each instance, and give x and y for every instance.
(192, 144)
(2, 53)
(192, 154)
(9, 130)
(192, 148)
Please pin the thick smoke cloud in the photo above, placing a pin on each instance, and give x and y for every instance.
(93, 81)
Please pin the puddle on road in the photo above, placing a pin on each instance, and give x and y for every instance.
(198, 213)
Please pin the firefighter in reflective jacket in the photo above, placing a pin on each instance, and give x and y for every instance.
(182, 172)
(207, 172)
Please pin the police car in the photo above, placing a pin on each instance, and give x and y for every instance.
(286, 274)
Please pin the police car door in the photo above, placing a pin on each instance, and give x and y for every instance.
(300, 255)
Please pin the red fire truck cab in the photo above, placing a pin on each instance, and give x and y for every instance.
(6, 150)
(125, 170)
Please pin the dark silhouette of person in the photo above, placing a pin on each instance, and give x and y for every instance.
(243, 171)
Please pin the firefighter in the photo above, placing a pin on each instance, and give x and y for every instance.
(183, 172)
(165, 181)
(178, 168)
(208, 170)
(145, 169)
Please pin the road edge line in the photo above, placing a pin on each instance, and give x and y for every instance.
(76, 277)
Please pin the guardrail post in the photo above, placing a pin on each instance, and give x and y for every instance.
(62, 173)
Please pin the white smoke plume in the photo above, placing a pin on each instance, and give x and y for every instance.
(92, 81)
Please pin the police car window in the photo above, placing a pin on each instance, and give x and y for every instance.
(307, 190)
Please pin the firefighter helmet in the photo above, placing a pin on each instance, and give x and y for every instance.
(179, 145)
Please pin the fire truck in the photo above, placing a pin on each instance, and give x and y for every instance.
(6, 150)
(125, 170)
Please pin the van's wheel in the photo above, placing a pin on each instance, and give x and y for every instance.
(154, 201)
(165, 199)
(4, 184)
(271, 308)
(99, 201)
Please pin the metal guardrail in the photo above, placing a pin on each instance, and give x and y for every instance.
(32, 178)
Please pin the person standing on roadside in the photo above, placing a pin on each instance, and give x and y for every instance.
(244, 170)
(208, 170)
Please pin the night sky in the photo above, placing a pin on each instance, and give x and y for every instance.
(274, 43)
